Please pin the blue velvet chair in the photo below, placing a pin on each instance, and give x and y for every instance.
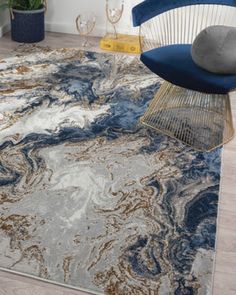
(192, 104)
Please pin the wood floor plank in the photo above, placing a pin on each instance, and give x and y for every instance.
(224, 284)
(225, 267)
(27, 286)
(228, 203)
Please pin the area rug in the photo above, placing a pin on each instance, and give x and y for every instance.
(88, 197)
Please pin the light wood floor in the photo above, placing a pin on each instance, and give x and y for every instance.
(225, 268)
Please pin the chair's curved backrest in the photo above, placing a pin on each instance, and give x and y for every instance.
(164, 22)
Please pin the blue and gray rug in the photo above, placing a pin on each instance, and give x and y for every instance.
(88, 197)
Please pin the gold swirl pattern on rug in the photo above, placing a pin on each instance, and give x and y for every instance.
(90, 198)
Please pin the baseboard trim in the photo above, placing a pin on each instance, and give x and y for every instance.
(57, 28)
(71, 29)
(99, 31)
(4, 29)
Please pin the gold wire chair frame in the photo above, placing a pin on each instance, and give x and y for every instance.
(182, 25)
(167, 101)
(200, 120)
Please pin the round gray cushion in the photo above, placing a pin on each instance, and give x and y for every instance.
(214, 49)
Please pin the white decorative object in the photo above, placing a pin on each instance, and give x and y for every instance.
(114, 15)
(85, 26)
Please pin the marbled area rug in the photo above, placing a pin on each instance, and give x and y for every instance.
(89, 198)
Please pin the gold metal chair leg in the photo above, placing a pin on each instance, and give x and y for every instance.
(200, 120)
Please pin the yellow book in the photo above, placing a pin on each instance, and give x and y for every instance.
(123, 43)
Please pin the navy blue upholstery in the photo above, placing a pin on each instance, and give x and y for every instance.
(151, 8)
(174, 64)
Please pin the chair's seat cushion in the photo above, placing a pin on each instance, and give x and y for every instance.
(214, 49)
(174, 64)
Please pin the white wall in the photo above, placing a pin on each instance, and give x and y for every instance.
(4, 22)
(61, 15)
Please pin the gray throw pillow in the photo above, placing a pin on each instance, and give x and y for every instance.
(214, 49)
